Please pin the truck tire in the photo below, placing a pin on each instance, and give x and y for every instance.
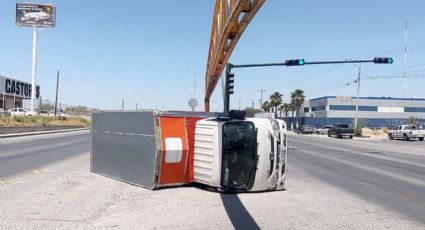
(329, 134)
(351, 136)
(317, 132)
(390, 136)
(421, 139)
(338, 135)
(405, 137)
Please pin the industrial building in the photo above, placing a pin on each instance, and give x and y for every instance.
(373, 111)
(13, 92)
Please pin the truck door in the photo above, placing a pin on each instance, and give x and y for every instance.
(397, 132)
(174, 151)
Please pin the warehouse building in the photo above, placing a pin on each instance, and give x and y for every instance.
(373, 111)
(13, 92)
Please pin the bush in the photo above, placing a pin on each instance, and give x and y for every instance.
(12, 121)
(361, 123)
(19, 119)
(412, 120)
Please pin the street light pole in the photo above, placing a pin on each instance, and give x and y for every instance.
(356, 117)
(261, 98)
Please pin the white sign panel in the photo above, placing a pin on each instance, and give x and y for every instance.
(13, 87)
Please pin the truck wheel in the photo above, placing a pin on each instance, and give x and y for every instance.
(421, 138)
(405, 137)
(351, 136)
(338, 135)
(390, 136)
(329, 134)
(317, 132)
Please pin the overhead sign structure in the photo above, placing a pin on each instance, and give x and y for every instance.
(230, 20)
(35, 14)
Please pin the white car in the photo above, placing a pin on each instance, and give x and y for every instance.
(323, 130)
(4, 112)
(21, 112)
(58, 114)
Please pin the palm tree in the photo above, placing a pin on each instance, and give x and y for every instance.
(275, 101)
(298, 98)
(266, 106)
(285, 107)
(292, 109)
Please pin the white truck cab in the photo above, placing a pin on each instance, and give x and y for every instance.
(241, 154)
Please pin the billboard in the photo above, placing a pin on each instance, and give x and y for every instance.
(35, 14)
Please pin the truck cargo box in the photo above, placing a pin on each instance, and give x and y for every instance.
(144, 148)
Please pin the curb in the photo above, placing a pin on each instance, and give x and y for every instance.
(40, 132)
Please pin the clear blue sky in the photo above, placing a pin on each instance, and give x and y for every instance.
(149, 51)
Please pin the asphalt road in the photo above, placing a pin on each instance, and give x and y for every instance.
(22, 154)
(387, 173)
(46, 183)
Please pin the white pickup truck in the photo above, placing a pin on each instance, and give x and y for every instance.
(407, 132)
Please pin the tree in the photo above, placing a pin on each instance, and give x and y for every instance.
(275, 101)
(285, 107)
(250, 112)
(266, 106)
(292, 109)
(298, 98)
(412, 120)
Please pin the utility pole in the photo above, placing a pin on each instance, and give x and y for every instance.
(57, 89)
(122, 104)
(136, 106)
(358, 92)
(405, 61)
(261, 98)
(239, 102)
(252, 104)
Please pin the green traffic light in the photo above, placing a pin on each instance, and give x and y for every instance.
(301, 62)
(390, 61)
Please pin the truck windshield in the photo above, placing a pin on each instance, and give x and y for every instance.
(239, 155)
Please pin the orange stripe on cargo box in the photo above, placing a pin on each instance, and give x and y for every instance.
(174, 151)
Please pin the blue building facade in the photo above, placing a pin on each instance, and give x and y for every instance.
(374, 112)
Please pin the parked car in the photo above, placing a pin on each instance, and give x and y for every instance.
(341, 130)
(44, 113)
(21, 112)
(306, 129)
(406, 132)
(323, 130)
(4, 112)
(58, 114)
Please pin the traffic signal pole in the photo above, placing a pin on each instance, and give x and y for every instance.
(226, 92)
(295, 62)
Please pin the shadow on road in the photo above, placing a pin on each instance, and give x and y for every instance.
(238, 215)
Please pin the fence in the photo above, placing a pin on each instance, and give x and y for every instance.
(42, 106)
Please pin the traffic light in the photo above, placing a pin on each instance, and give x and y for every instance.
(230, 83)
(294, 62)
(383, 60)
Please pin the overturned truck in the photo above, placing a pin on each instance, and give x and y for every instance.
(161, 149)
